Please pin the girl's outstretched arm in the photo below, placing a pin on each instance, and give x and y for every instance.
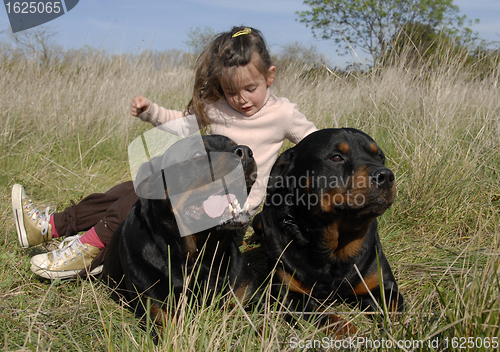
(172, 121)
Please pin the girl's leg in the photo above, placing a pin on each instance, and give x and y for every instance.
(33, 227)
(94, 209)
(84, 254)
(104, 210)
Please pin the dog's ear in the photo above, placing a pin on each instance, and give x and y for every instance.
(278, 220)
(280, 172)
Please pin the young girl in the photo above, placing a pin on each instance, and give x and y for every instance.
(231, 97)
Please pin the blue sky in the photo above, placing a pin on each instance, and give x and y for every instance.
(134, 25)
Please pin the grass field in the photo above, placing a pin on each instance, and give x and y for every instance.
(64, 132)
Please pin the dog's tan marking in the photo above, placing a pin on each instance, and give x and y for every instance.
(292, 283)
(339, 327)
(373, 148)
(189, 247)
(343, 147)
(332, 199)
(242, 293)
(331, 237)
(371, 281)
(326, 204)
(361, 180)
(349, 250)
(160, 316)
(310, 181)
(342, 247)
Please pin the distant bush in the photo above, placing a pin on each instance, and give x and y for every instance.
(419, 45)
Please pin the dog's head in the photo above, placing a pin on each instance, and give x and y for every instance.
(339, 172)
(203, 181)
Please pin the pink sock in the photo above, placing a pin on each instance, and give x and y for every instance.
(53, 231)
(91, 238)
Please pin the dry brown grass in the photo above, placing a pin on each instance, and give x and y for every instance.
(64, 129)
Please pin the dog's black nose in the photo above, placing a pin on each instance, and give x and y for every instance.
(243, 152)
(383, 178)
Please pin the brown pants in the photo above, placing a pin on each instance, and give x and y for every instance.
(103, 211)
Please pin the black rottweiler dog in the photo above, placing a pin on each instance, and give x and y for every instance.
(182, 230)
(319, 223)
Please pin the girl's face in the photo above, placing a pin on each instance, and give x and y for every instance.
(248, 88)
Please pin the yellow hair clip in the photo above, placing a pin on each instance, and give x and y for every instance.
(242, 32)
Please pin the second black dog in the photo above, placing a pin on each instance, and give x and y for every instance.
(319, 223)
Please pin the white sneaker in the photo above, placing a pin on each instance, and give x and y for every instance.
(32, 226)
(67, 261)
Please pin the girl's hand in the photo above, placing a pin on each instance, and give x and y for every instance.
(139, 105)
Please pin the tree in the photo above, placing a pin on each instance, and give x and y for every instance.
(37, 42)
(420, 44)
(370, 24)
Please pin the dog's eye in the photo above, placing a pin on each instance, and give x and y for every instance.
(379, 158)
(337, 159)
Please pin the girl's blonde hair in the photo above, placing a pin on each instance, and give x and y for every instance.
(217, 63)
